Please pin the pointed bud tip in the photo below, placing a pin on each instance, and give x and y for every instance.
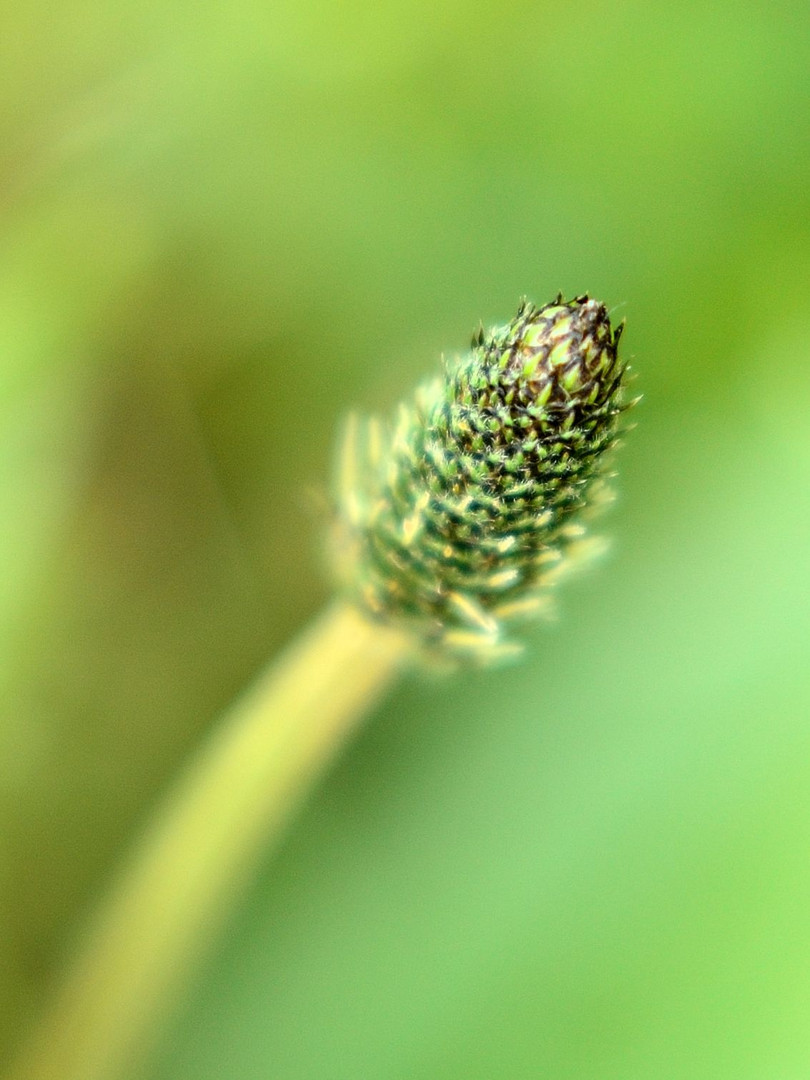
(563, 355)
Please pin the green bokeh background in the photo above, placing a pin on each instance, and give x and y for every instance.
(221, 226)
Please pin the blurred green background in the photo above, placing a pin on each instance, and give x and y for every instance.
(222, 226)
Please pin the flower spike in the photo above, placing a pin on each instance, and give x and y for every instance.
(456, 521)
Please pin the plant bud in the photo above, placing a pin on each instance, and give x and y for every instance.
(457, 520)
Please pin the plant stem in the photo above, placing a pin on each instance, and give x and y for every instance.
(224, 813)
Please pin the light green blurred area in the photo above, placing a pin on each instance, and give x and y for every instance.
(222, 226)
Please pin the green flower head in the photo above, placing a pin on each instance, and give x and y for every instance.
(457, 520)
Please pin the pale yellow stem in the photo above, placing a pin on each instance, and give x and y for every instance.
(225, 812)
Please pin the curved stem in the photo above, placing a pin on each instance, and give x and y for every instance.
(226, 810)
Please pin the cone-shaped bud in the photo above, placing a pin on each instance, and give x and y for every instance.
(562, 356)
(458, 520)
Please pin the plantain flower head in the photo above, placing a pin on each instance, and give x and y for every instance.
(457, 520)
